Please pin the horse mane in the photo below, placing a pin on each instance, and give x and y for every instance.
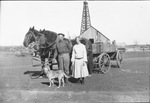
(50, 36)
(36, 32)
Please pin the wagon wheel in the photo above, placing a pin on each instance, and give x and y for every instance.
(119, 59)
(104, 62)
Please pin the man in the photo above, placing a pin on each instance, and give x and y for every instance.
(88, 46)
(63, 47)
(90, 58)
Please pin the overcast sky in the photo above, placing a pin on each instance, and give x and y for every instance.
(123, 21)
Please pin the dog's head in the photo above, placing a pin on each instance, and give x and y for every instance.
(46, 62)
(46, 69)
(46, 66)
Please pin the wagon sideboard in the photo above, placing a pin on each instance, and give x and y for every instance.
(101, 47)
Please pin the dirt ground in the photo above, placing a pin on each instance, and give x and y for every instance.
(130, 83)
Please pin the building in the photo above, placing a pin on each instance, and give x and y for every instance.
(88, 31)
(94, 35)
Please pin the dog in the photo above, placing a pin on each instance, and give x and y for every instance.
(51, 74)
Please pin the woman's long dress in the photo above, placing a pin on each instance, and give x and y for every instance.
(79, 56)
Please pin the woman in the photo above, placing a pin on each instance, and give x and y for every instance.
(79, 60)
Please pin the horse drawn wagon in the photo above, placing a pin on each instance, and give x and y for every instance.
(103, 51)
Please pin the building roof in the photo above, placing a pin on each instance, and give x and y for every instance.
(97, 31)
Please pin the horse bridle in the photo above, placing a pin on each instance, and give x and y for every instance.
(29, 35)
(37, 41)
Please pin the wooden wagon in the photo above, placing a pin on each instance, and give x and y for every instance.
(104, 52)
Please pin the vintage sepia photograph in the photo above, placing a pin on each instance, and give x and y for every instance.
(78, 51)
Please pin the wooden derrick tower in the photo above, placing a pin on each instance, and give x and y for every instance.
(85, 23)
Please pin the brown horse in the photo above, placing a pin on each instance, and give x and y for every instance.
(44, 43)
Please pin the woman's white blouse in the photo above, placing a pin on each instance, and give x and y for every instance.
(79, 51)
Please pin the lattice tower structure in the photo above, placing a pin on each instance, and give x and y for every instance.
(86, 22)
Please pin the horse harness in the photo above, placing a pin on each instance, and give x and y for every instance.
(47, 49)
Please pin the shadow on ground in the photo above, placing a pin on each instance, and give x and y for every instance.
(71, 80)
(33, 74)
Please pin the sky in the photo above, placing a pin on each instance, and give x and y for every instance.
(123, 21)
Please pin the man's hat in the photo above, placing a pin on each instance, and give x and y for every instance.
(61, 34)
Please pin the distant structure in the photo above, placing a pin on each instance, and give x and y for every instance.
(86, 22)
(87, 30)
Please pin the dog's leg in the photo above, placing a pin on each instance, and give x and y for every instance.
(59, 80)
(63, 82)
(50, 83)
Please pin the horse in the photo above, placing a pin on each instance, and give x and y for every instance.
(44, 43)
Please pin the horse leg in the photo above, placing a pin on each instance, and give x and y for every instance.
(42, 68)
